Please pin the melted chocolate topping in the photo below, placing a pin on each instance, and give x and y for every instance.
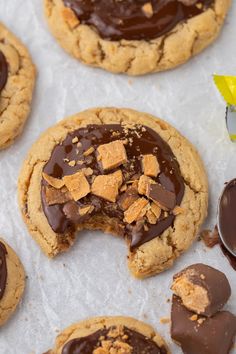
(3, 71)
(144, 141)
(3, 269)
(139, 343)
(116, 20)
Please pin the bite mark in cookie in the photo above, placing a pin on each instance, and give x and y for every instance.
(156, 235)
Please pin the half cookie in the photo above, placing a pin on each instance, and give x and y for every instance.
(17, 78)
(104, 335)
(12, 281)
(135, 37)
(119, 171)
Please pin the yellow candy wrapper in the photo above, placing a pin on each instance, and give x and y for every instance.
(227, 87)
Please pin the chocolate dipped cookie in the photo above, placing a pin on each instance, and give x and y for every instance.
(106, 335)
(17, 78)
(12, 281)
(119, 171)
(135, 37)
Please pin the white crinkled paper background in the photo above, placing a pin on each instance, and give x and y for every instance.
(92, 279)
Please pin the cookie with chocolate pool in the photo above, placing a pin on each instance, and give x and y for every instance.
(17, 79)
(104, 335)
(135, 37)
(12, 281)
(119, 171)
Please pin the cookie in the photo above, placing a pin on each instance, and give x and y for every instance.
(195, 335)
(12, 281)
(135, 37)
(106, 335)
(202, 289)
(17, 78)
(119, 171)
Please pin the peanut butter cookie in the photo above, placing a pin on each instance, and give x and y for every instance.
(135, 37)
(119, 171)
(17, 78)
(106, 335)
(12, 281)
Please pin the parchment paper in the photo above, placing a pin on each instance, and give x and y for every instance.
(92, 279)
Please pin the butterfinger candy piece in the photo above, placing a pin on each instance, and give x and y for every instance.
(214, 335)
(57, 196)
(54, 182)
(150, 164)
(112, 154)
(136, 210)
(107, 186)
(77, 185)
(202, 289)
(164, 198)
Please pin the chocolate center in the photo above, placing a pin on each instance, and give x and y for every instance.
(3, 269)
(135, 19)
(140, 141)
(138, 342)
(3, 71)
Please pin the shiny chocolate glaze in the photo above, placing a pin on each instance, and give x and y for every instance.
(3, 71)
(144, 141)
(139, 343)
(116, 20)
(3, 269)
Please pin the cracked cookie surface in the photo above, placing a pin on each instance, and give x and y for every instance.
(135, 57)
(16, 93)
(150, 257)
(12, 280)
(106, 335)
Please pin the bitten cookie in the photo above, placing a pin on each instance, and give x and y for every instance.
(135, 37)
(119, 171)
(12, 281)
(107, 335)
(17, 78)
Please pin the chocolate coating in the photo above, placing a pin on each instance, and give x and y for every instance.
(139, 343)
(3, 269)
(116, 20)
(3, 71)
(214, 336)
(144, 142)
(227, 219)
(213, 281)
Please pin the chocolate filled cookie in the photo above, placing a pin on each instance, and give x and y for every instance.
(119, 171)
(17, 78)
(135, 37)
(105, 335)
(12, 281)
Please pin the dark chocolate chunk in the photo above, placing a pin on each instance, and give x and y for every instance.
(3, 269)
(202, 289)
(166, 199)
(214, 335)
(135, 20)
(141, 141)
(3, 71)
(139, 343)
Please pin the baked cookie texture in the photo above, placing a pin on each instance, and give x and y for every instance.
(151, 257)
(90, 326)
(135, 57)
(16, 96)
(15, 284)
